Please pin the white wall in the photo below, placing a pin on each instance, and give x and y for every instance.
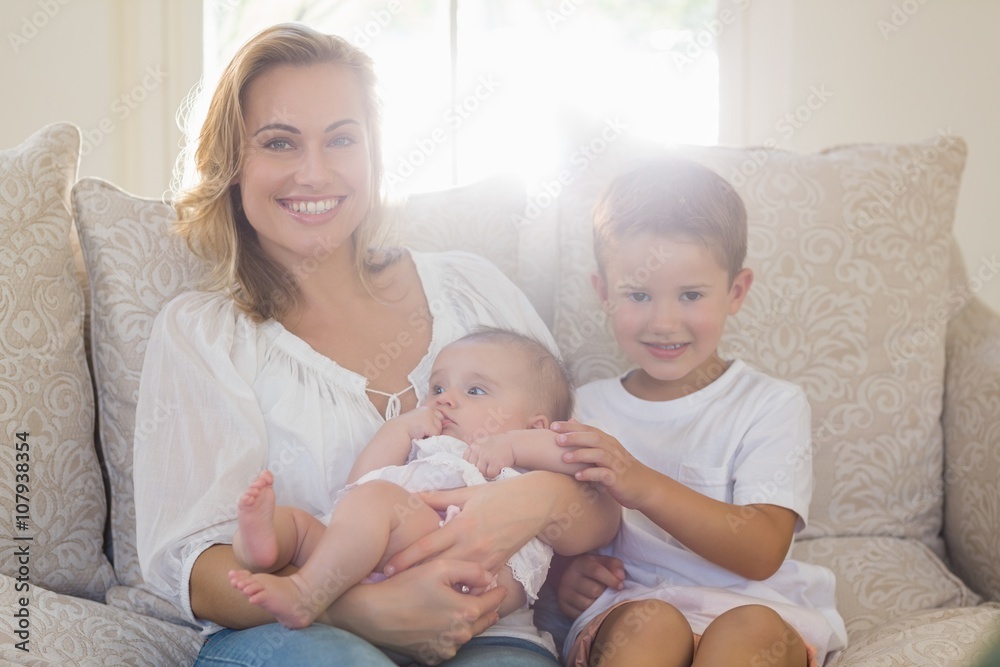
(890, 71)
(896, 70)
(118, 69)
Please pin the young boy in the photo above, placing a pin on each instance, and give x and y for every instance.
(710, 458)
(493, 386)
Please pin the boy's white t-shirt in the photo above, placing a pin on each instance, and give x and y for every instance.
(744, 439)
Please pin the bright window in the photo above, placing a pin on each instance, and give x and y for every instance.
(473, 88)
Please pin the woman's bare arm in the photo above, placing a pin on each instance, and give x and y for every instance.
(214, 599)
(499, 518)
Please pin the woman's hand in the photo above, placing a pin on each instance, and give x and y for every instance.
(419, 612)
(500, 517)
(483, 532)
(584, 579)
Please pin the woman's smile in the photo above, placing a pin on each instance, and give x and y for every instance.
(312, 211)
(306, 179)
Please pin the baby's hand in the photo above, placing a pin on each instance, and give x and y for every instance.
(491, 454)
(421, 422)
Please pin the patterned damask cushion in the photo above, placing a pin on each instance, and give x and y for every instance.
(972, 446)
(475, 218)
(883, 578)
(539, 274)
(487, 218)
(135, 265)
(942, 638)
(51, 493)
(71, 631)
(850, 248)
(495, 219)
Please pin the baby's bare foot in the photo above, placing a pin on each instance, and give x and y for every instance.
(282, 597)
(255, 542)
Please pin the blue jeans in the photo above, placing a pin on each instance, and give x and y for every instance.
(274, 646)
(548, 617)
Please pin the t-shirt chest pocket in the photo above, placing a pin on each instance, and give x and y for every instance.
(710, 481)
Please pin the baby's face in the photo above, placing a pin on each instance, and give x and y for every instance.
(479, 388)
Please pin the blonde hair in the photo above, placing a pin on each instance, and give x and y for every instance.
(673, 196)
(209, 213)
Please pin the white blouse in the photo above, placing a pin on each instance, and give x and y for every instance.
(231, 396)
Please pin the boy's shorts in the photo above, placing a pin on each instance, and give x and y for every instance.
(579, 653)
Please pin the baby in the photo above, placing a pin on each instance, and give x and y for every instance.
(492, 396)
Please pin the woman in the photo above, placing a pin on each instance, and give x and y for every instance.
(283, 365)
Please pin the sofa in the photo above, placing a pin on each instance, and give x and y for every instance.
(861, 297)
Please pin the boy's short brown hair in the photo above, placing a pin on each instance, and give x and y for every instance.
(673, 196)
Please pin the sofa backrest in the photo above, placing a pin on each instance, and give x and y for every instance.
(851, 251)
(52, 501)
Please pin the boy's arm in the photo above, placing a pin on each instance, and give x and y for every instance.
(528, 449)
(390, 446)
(750, 540)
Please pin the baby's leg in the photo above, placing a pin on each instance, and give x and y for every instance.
(644, 633)
(516, 597)
(268, 537)
(750, 635)
(373, 519)
(409, 532)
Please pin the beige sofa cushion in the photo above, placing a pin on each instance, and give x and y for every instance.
(475, 218)
(850, 248)
(45, 389)
(972, 430)
(882, 578)
(135, 265)
(493, 218)
(942, 638)
(72, 631)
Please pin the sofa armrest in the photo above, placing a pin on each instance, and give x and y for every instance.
(971, 423)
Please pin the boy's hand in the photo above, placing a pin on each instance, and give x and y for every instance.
(585, 578)
(625, 478)
(491, 454)
(420, 422)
